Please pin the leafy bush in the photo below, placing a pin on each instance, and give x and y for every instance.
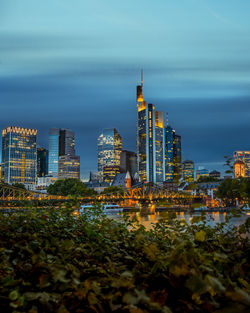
(51, 261)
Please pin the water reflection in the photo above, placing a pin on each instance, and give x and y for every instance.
(149, 219)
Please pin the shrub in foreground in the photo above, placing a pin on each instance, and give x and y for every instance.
(53, 262)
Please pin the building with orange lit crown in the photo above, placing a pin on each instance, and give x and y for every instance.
(242, 163)
(19, 155)
(158, 147)
(239, 169)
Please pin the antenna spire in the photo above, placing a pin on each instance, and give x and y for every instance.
(167, 118)
(142, 77)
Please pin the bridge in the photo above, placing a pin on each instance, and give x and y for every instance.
(142, 192)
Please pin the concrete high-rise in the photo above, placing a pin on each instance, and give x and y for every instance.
(19, 155)
(109, 151)
(128, 162)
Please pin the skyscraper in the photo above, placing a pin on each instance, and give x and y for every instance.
(62, 144)
(69, 167)
(145, 137)
(188, 171)
(109, 150)
(42, 162)
(169, 153)
(128, 162)
(243, 156)
(19, 155)
(158, 147)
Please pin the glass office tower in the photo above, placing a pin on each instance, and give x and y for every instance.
(42, 162)
(62, 143)
(69, 167)
(109, 149)
(188, 171)
(145, 138)
(19, 155)
(177, 157)
(53, 151)
(159, 147)
(169, 154)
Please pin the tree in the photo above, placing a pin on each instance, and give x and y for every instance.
(113, 189)
(19, 185)
(228, 164)
(231, 190)
(70, 187)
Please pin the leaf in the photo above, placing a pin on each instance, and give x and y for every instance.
(200, 236)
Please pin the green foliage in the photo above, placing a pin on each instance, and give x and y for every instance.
(207, 179)
(70, 187)
(113, 189)
(51, 261)
(19, 185)
(231, 189)
(228, 164)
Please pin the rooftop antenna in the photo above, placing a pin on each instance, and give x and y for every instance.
(167, 118)
(142, 77)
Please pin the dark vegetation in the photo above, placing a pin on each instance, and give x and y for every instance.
(113, 189)
(50, 261)
(231, 190)
(70, 187)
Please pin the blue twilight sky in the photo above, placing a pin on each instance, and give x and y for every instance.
(75, 64)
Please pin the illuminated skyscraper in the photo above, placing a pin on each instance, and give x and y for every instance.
(244, 157)
(42, 162)
(188, 171)
(109, 150)
(19, 155)
(158, 147)
(69, 167)
(62, 143)
(169, 154)
(145, 137)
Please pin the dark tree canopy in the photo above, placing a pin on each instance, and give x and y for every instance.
(19, 185)
(70, 187)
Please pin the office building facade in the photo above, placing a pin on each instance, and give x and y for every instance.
(158, 147)
(188, 171)
(62, 147)
(69, 167)
(19, 155)
(109, 146)
(42, 162)
(128, 162)
(243, 156)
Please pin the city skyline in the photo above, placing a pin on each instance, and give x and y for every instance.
(77, 68)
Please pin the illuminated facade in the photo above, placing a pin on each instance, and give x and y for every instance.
(202, 172)
(239, 169)
(145, 137)
(188, 171)
(158, 147)
(42, 162)
(19, 155)
(169, 155)
(243, 156)
(109, 173)
(61, 143)
(69, 167)
(109, 150)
